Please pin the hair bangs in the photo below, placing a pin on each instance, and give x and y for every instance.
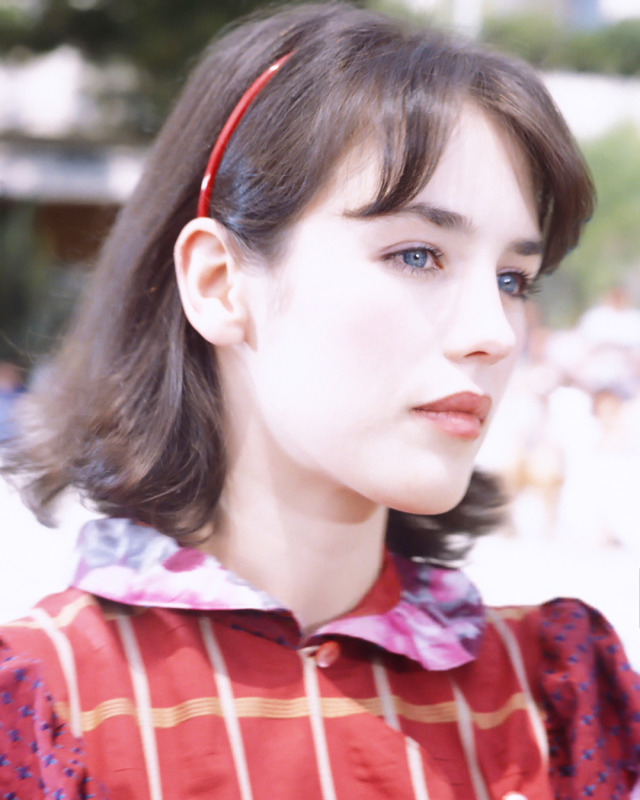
(513, 95)
(409, 119)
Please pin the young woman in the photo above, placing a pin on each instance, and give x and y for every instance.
(275, 390)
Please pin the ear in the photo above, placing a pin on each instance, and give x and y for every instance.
(210, 282)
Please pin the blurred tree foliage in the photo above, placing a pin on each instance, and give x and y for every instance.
(36, 292)
(609, 252)
(545, 43)
(159, 38)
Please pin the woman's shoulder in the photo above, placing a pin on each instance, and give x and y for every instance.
(564, 636)
(39, 754)
(41, 633)
(587, 691)
(572, 655)
(62, 635)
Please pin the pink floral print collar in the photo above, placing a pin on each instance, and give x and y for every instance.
(435, 617)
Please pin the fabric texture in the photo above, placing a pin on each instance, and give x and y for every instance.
(189, 697)
(434, 616)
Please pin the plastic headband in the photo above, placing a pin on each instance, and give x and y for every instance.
(225, 134)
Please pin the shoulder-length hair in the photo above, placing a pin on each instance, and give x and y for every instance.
(129, 412)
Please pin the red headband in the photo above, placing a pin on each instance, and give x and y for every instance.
(225, 134)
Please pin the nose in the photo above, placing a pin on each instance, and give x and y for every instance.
(481, 329)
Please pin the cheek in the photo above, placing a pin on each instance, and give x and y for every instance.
(501, 373)
(341, 314)
(520, 328)
(375, 340)
(337, 357)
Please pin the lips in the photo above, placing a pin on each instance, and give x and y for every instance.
(460, 415)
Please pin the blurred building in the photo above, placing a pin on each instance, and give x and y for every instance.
(468, 14)
(59, 154)
(65, 168)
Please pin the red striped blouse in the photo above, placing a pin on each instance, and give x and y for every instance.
(105, 699)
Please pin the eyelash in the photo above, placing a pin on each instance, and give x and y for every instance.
(435, 254)
(528, 285)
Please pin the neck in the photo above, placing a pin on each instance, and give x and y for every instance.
(317, 551)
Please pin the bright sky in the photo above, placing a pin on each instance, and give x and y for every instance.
(618, 9)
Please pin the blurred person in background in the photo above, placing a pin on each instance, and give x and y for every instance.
(11, 387)
(613, 321)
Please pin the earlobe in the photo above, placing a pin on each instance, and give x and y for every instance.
(210, 282)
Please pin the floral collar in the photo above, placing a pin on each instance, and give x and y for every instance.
(429, 614)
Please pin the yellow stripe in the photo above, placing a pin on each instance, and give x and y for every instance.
(294, 708)
(65, 616)
(513, 612)
(111, 610)
(492, 719)
(120, 706)
(272, 707)
(200, 707)
(447, 712)
(432, 713)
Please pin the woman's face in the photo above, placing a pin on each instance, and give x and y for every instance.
(380, 347)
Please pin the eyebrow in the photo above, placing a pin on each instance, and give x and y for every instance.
(453, 221)
(442, 217)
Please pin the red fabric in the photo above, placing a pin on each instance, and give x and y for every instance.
(576, 668)
(384, 594)
(594, 736)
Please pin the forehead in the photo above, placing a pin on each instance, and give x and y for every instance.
(481, 161)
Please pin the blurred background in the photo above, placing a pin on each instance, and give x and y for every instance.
(85, 85)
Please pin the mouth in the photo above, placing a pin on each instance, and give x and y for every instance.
(461, 415)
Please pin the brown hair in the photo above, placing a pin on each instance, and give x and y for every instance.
(130, 411)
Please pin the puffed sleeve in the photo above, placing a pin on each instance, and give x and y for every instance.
(591, 697)
(39, 757)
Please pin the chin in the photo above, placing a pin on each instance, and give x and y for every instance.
(427, 499)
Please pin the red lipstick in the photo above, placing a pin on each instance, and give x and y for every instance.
(460, 415)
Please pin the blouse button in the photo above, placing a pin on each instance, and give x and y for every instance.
(327, 654)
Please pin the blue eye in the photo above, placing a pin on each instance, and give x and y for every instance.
(515, 284)
(421, 260)
(416, 257)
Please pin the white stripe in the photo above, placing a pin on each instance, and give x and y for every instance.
(384, 693)
(513, 650)
(465, 726)
(225, 693)
(418, 781)
(317, 726)
(64, 650)
(143, 705)
(414, 757)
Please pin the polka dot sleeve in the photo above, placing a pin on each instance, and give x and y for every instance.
(591, 697)
(39, 757)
